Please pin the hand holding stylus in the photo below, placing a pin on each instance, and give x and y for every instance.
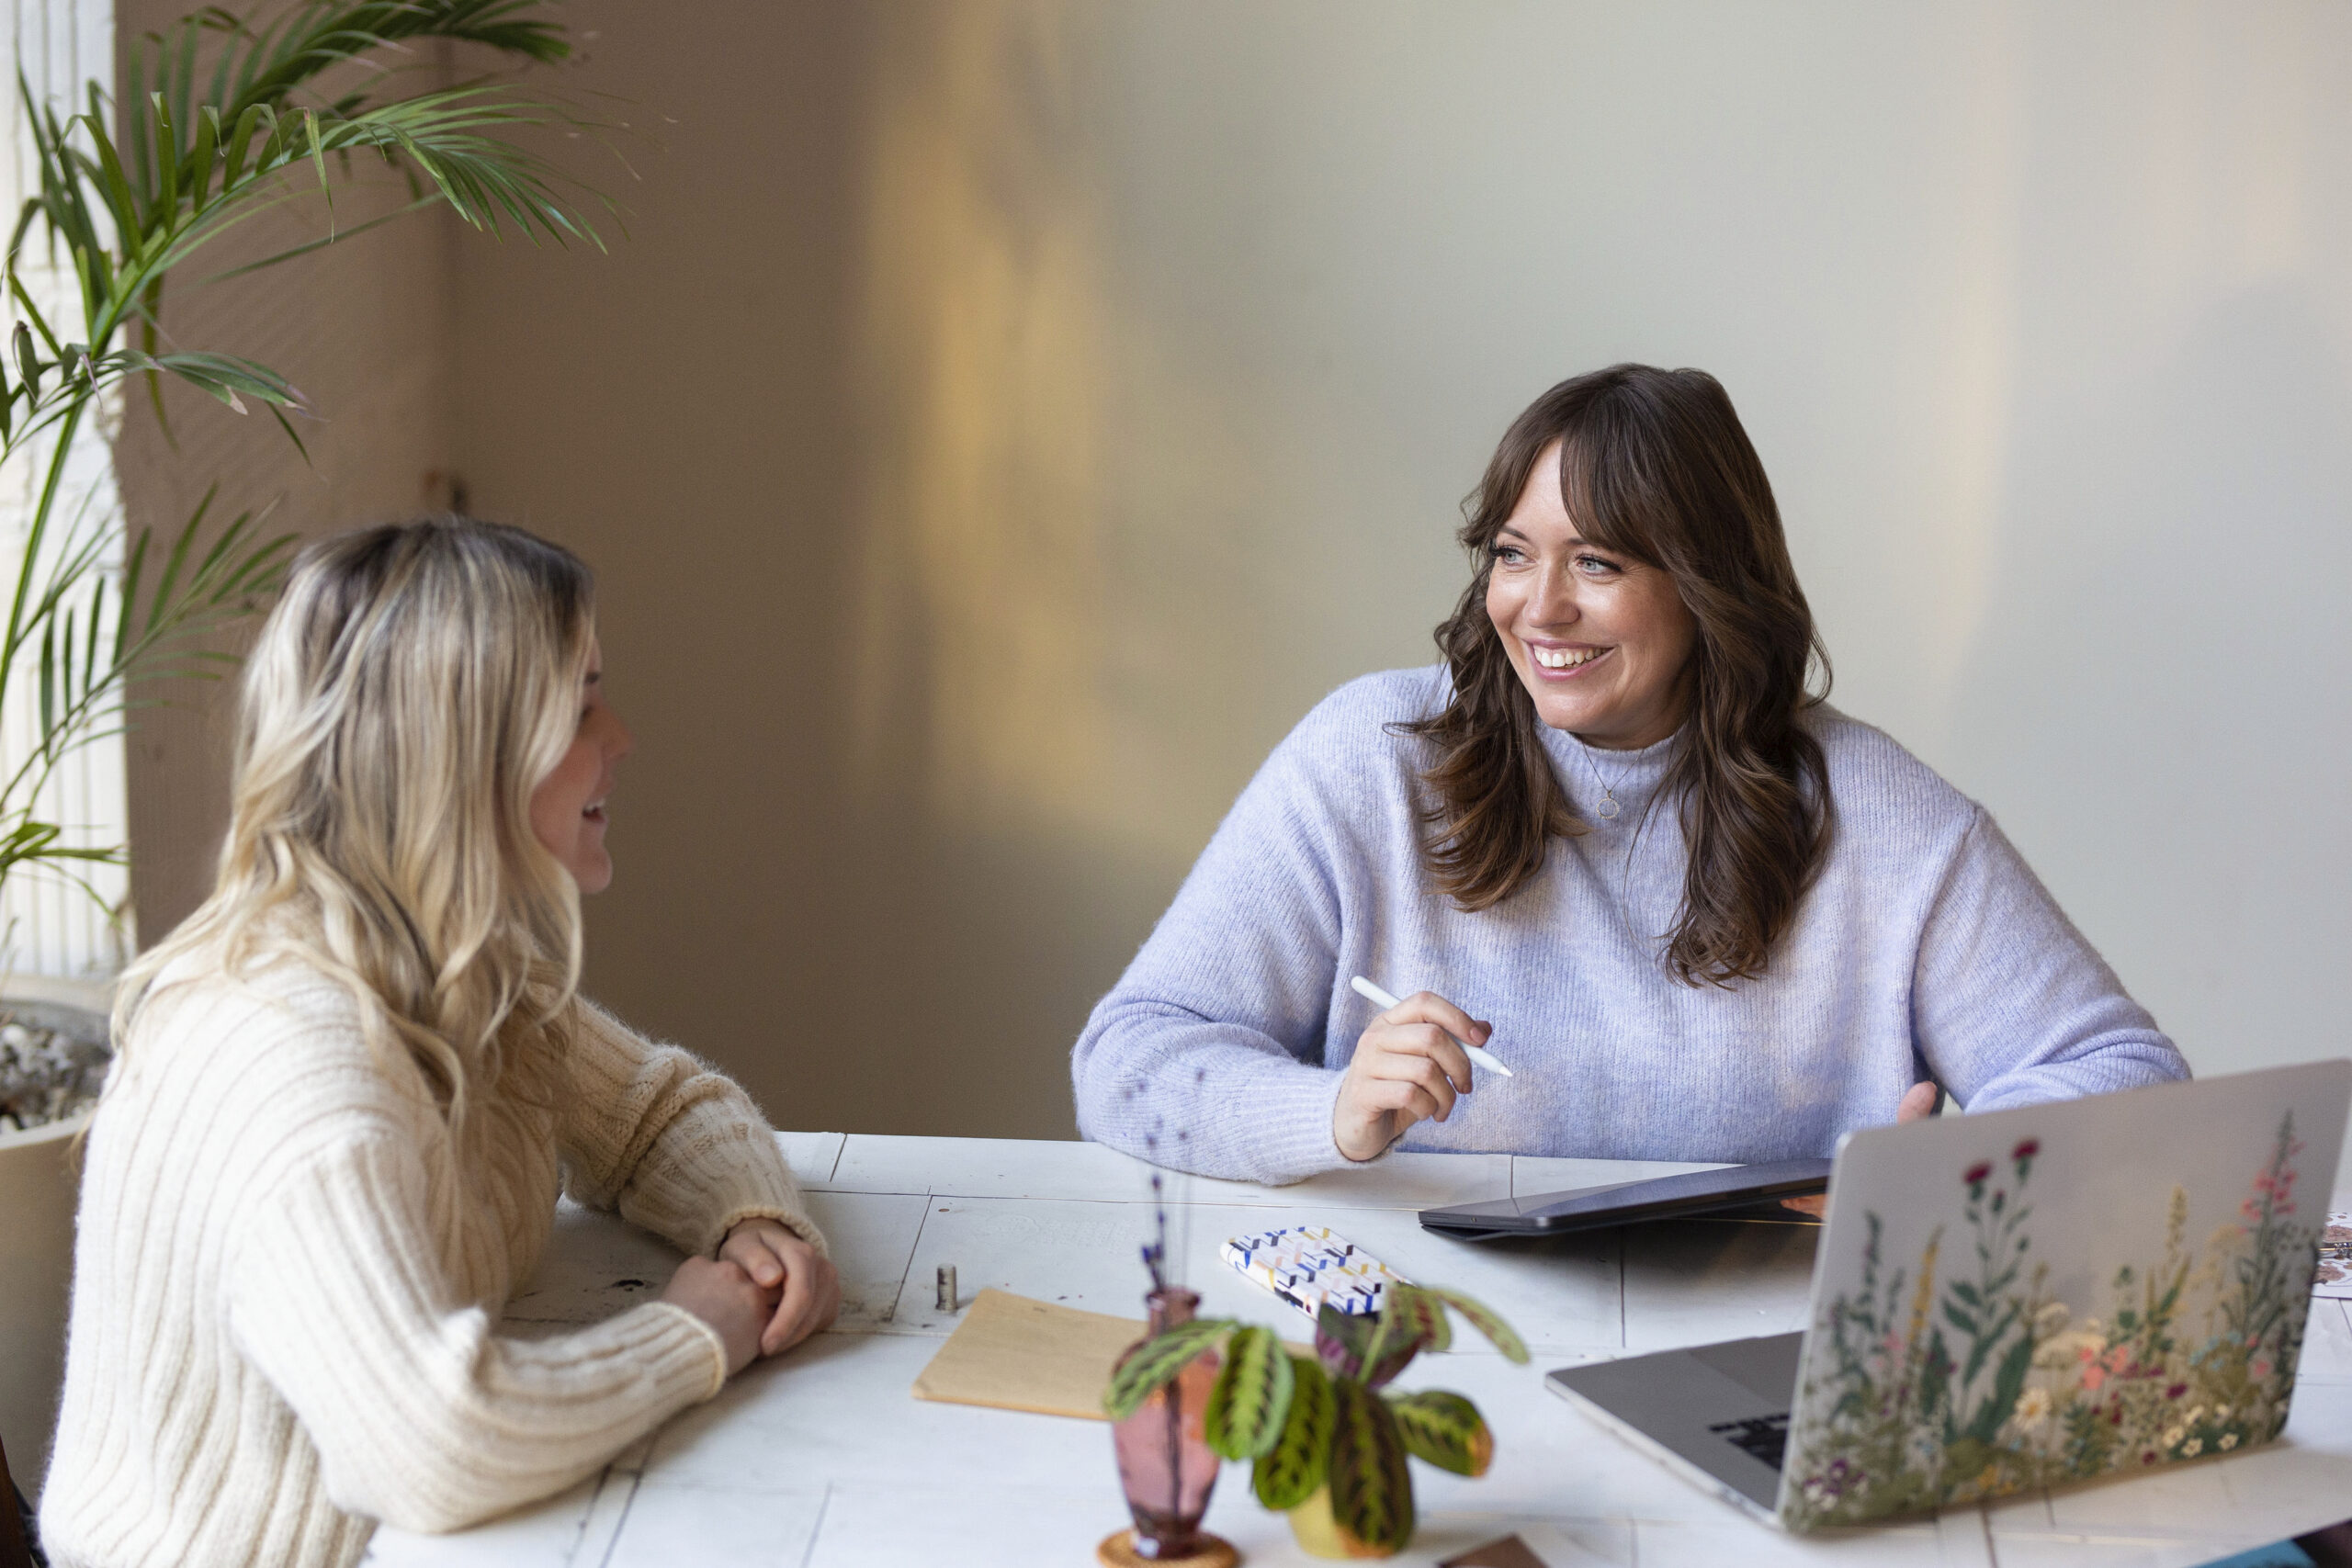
(1410, 1066)
(1477, 1053)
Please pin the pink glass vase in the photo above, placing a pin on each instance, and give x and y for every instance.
(1166, 1467)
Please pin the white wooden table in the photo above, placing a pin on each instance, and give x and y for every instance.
(823, 1458)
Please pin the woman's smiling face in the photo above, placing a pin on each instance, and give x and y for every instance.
(1602, 642)
(568, 806)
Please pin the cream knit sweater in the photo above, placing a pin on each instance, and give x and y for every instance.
(285, 1320)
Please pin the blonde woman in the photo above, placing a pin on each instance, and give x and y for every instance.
(350, 1084)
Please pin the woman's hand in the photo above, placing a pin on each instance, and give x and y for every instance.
(1408, 1069)
(1918, 1104)
(806, 1290)
(721, 1294)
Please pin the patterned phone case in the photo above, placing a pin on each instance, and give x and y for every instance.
(1309, 1265)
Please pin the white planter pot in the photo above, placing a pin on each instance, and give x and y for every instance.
(39, 1182)
(37, 1187)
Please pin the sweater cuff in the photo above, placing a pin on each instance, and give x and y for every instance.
(791, 1220)
(686, 1352)
(1287, 1125)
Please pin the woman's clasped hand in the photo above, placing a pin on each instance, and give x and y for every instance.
(798, 1291)
(765, 1292)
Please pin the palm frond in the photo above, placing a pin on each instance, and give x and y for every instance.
(219, 120)
(266, 68)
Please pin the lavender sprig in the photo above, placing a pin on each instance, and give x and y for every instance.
(1155, 1253)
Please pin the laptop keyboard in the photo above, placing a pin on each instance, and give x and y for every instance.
(1762, 1437)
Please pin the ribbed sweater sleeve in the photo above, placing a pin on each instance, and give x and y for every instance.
(2011, 1005)
(288, 1280)
(421, 1416)
(1208, 1054)
(671, 1142)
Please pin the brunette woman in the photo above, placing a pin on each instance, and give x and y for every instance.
(1617, 838)
(350, 1083)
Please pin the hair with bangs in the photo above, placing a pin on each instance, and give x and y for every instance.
(1652, 463)
(410, 691)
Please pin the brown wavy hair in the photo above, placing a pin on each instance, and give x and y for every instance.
(1653, 464)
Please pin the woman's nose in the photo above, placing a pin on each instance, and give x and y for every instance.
(1554, 599)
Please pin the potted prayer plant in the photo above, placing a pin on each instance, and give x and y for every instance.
(1325, 1437)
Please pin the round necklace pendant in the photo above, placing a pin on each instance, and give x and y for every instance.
(1608, 807)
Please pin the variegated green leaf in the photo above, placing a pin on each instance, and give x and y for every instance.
(1485, 1320)
(1153, 1365)
(1424, 1311)
(1372, 1490)
(1287, 1475)
(1443, 1428)
(1251, 1397)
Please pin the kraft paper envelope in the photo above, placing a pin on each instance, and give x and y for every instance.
(1013, 1353)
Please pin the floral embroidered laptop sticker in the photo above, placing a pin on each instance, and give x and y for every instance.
(1985, 1359)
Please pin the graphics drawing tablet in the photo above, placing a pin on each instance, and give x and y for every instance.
(1726, 1188)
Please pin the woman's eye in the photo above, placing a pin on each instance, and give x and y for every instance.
(1509, 555)
(1593, 566)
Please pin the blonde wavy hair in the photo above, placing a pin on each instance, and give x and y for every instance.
(409, 691)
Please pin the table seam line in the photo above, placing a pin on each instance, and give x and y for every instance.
(840, 1149)
(809, 1553)
(580, 1535)
(628, 1503)
(907, 1270)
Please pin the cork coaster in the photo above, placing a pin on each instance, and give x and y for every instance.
(1119, 1552)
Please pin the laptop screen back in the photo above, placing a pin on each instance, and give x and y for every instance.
(2031, 1297)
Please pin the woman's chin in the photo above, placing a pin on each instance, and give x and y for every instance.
(1603, 718)
(593, 873)
(1572, 711)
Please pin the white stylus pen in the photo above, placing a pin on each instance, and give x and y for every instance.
(1383, 1001)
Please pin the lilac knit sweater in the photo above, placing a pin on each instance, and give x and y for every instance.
(1925, 947)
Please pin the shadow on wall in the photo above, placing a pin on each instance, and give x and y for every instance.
(833, 449)
(982, 600)
(998, 877)
(2192, 522)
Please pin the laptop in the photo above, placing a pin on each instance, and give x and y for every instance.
(2017, 1300)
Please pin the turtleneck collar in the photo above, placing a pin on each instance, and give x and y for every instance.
(1631, 776)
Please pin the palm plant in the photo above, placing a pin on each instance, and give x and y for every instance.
(220, 122)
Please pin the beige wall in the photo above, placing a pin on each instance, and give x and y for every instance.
(846, 587)
(1007, 416)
